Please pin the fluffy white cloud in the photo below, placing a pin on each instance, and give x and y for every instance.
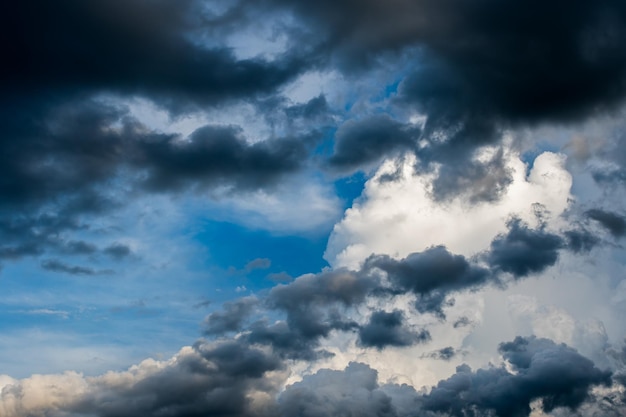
(399, 216)
(39, 395)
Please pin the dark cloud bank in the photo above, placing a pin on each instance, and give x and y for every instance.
(556, 375)
(231, 378)
(66, 138)
(474, 69)
(477, 69)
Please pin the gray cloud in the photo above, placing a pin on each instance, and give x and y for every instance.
(353, 391)
(287, 340)
(556, 374)
(61, 144)
(475, 69)
(311, 301)
(613, 222)
(232, 316)
(313, 307)
(359, 144)
(431, 274)
(472, 78)
(61, 172)
(523, 251)
(387, 329)
(212, 380)
(216, 155)
(146, 49)
(231, 377)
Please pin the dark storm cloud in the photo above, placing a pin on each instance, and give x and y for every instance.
(236, 359)
(61, 144)
(613, 222)
(478, 62)
(556, 374)
(361, 143)
(211, 380)
(232, 378)
(388, 329)
(484, 59)
(487, 60)
(314, 306)
(303, 300)
(153, 49)
(216, 155)
(506, 62)
(232, 316)
(476, 69)
(80, 145)
(431, 274)
(58, 167)
(523, 251)
(287, 340)
(351, 392)
(53, 150)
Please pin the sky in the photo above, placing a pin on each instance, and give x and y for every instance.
(255, 208)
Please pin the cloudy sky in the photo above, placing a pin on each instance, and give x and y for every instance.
(312, 208)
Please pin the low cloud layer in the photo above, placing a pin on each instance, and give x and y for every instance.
(232, 378)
